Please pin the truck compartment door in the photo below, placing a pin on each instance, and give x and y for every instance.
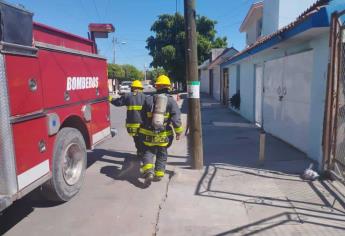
(100, 122)
(33, 150)
(24, 84)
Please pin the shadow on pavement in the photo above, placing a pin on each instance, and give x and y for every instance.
(274, 189)
(275, 221)
(100, 155)
(23, 208)
(324, 209)
(129, 169)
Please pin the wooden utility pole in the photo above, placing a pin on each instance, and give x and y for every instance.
(194, 116)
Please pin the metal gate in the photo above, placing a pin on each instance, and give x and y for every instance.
(334, 125)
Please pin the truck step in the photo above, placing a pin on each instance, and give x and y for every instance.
(5, 201)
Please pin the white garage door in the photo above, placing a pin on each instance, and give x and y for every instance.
(286, 106)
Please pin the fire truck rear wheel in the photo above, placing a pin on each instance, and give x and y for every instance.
(68, 166)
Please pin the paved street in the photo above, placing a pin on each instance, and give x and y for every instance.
(233, 195)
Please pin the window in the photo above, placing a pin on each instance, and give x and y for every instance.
(259, 28)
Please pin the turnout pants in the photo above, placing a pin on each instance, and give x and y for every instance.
(138, 144)
(158, 167)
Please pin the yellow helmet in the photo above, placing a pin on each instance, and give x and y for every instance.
(137, 84)
(163, 80)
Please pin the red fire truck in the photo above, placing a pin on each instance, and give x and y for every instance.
(53, 105)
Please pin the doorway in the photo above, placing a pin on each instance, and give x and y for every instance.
(287, 98)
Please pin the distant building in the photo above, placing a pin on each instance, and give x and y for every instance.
(210, 74)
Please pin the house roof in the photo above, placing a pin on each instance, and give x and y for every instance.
(315, 7)
(255, 6)
(204, 65)
(312, 17)
(220, 58)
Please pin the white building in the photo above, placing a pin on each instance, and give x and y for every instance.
(210, 75)
(282, 72)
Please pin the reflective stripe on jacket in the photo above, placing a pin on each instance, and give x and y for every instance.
(172, 119)
(134, 102)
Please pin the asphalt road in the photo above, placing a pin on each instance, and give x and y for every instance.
(113, 200)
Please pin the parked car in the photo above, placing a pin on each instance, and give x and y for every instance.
(125, 87)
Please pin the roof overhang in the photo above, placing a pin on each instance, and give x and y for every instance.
(316, 21)
(229, 52)
(204, 65)
(252, 12)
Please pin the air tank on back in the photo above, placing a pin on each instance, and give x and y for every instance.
(161, 101)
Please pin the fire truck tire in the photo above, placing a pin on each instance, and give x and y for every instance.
(68, 166)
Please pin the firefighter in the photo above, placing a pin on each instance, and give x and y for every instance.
(161, 115)
(134, 102)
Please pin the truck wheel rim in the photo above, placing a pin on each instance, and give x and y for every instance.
(73, 164)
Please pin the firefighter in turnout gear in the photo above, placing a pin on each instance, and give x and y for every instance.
(161, 118)
(134, 102)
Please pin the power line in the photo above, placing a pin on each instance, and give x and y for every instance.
(97, 12)
(230, 25)
(85, 10)
(107, 6)
(236, 9)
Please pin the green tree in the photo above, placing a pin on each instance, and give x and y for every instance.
(124, 72)
(115, 71)
(132, 73)
(154, 73)
(167, 47)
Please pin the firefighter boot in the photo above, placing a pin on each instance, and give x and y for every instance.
(159, 174)
(157, 178)
(148, 179)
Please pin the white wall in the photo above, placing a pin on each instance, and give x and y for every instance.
(247, 90)
(251, 32)
(318, 96)
(216, 83)
(318, 89)
(232, 82)
(251, 27)
(270, 16)
(204, 81)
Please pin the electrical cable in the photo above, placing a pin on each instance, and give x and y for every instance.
(97, 12)
(107, 7)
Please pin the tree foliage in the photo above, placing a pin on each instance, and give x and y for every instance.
(115, 71)
(167, 47)
(124, 72)
(154, 73)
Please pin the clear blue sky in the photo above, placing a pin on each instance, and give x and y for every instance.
(132, 20)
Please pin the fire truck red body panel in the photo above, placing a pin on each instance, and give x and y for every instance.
(58, 67)
(47, 34)
(64, 78)
(27, 136)
(23, 101)
(51, 69)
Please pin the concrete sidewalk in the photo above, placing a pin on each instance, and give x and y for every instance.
(233, 195)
